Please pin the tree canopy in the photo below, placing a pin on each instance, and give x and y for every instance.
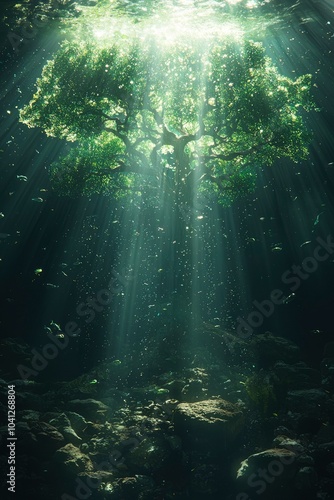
(195, 117)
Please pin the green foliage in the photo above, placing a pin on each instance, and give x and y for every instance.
(220, 110)
(261, 392)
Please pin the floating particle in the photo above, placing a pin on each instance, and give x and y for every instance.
(289, 298)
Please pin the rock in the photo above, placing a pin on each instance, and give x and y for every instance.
(63, 424)
(47, 439)
(297, 376)
(149, 455)
(90, 408)
(269, 349)
(269, 474)
(72, 461)
(78, 422)
(310, 404)
(29, 416)
(288, 444)
(135, 487)
(306, 482)
(31, 401)
(211, 419)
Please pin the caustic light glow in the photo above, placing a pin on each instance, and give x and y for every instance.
(170, 25)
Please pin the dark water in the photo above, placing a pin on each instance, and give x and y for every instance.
(58, 255)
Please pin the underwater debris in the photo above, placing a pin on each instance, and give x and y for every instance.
(289, 298)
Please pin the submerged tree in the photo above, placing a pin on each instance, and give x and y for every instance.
(185, 120)
(203, 117)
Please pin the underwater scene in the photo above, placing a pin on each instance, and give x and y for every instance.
(167, 249)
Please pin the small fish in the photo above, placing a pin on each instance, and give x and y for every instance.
(200, 217)
(22, 178)
(262, 218)
(317, 220)
(54, 326)
(305, 243)
(38, 200)
(289, 298)
(2, 215)
(4, 235)
(276, 249)
(51, 285)
(38, 271)
(116, 362)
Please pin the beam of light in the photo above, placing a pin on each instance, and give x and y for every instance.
(234, 242)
